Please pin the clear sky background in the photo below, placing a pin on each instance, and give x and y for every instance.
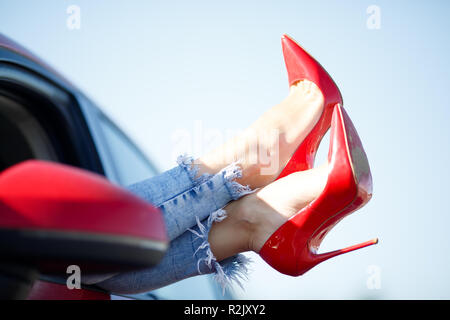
(158, 67)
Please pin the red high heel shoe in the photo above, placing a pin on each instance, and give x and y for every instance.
(292, 248)
(301, 66)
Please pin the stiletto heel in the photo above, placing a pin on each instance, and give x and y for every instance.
(325, 256)
(292, 248)
(302, 66)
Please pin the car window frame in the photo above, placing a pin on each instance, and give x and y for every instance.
(94, 117)
(16, 77)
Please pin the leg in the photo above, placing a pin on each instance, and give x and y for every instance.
(195, 204)
(214, 245)
(186, 209)
(253, 219)
(291, 121)
(170, 183)
(183, 259)
(266, 146)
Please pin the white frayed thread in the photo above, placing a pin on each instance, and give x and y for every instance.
(235, 271)
(231, 271)
(230, 173)
(187, 163)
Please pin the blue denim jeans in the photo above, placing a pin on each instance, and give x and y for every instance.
(189, 205)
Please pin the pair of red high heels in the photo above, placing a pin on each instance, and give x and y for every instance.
(292, 248)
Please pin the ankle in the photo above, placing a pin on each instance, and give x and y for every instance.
(232, 235)
(246, 220)
(258, 220)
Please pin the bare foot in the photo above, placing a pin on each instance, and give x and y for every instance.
(266, 146)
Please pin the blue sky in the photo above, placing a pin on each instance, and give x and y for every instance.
(161, 66)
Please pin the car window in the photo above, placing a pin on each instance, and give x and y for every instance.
(21, 136)
(130, 164)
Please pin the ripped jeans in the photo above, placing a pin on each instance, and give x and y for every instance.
(189, 205)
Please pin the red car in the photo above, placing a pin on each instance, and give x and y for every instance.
(62, 162)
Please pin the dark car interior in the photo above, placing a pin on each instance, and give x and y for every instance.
(41, 121)
(22, 137)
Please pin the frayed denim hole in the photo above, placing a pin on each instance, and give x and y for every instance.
(233, 269)
(187, 163)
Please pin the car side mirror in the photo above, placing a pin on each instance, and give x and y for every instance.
(53, 216)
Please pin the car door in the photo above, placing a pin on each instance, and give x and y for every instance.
(43, 116)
